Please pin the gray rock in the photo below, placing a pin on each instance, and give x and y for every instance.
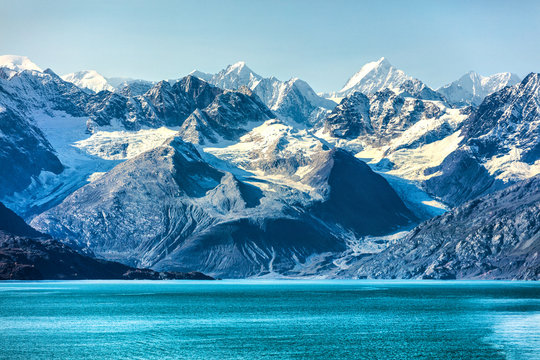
(493, 237)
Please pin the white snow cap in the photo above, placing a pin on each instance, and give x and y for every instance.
(375, 76)
(364, 71)
(18, 63)
(239, 67)
(89, 79)
(238, 64)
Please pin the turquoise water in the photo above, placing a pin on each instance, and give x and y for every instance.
(269, 320)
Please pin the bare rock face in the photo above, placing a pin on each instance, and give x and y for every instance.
(494, 237)
(26, 254)
(357, 198)
(204, 112)
(462, 178)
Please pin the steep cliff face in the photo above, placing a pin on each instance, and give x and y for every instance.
(494, 237)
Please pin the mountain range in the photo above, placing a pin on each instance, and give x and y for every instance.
(238, 175)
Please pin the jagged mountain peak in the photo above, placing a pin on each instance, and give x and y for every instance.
(191, 80)
(379, 75)
(201, 75)
(292, 100)
(531, 79)
(234, 76)
(18, 63)
(239, 69)
(374, 76)
(495, 82)
(471, 88)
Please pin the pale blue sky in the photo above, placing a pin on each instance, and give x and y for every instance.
(322, 42)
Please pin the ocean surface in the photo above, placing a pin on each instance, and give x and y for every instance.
(269, 320)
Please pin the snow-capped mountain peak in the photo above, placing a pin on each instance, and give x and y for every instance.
(380, 75)
(291, 100)
(235, 76)
(18, 63)
(239, 65)
(496, 82)
(201, 75)
(375, 76)
(472, 87)
(89, 79)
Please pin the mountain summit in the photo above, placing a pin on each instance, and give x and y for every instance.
(89, 79)
(18, 63)
(472, 88)
(379, 75)
(292, 100)
(375, 76)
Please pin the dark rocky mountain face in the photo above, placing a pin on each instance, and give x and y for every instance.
(162, 105)
(507, 122)
(28, 91)
(211, 221)
(462, 178)
(379, 117)
(227, 117)
(494, 237)
(11, 223)
(24, 258)
(350, 118)
(24, 152)
(171, 105)
(505, 118)
(356, 197)
(26, 254)
(416, 89)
